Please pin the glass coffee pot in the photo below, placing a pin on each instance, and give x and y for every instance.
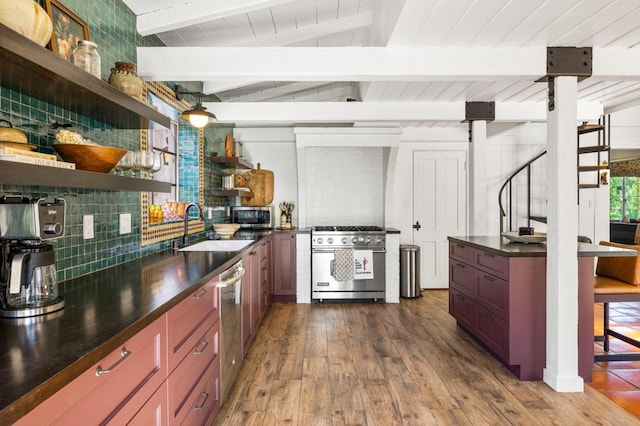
(32, 280)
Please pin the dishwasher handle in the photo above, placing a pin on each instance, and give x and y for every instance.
(234, 279)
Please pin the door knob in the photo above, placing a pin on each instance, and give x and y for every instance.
(417, 226)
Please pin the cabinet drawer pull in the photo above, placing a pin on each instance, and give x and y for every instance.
(204, 395)
(461, 297)
(124, 354)
(200, 294)
(204, 344)
(461, 266)
(489, 255)
(461, 246)
(488, 278)
(489, 315)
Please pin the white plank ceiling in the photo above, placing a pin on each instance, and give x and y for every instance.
(432, 55)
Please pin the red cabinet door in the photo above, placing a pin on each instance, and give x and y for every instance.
(284, 265)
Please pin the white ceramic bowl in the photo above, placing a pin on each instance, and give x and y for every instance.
(226, 230)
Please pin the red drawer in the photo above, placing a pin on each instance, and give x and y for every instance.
(461, 252)
(184, 319)
(492, 263)
(153, 412)
(461, 308)
(204, 353)
(203, 403)
(492, 293)
(461, 275)
(493, 331)
(114, 388)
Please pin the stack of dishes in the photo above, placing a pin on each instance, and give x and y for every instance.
(226, 230)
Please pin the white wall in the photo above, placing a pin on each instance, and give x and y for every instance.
(275, 149)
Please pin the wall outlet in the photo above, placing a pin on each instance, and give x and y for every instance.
(125, 223)
(87, 226)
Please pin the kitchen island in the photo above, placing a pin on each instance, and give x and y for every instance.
(497, 293)
(40, 355)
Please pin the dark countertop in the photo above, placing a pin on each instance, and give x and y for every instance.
(502, 246)
(40, 355)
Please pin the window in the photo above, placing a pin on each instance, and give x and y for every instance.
(624, 198)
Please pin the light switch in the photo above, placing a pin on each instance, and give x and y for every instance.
(125, 223)
(87, 226)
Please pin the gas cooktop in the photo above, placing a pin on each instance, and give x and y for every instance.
(365, 228)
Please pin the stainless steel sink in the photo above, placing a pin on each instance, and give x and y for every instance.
(218, 245)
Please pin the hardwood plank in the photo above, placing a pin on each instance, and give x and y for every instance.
(284, 402)
(379, 404)
(314, 410)
(346, 389)
(386, 364)
(412, 408)
(348, 418)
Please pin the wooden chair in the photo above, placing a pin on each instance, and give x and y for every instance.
(617, 280)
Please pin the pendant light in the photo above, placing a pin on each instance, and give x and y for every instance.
(198, 116)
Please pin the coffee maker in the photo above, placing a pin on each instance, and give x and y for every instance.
(28, 276)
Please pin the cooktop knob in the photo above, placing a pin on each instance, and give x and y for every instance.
(319, 240)
(361, 239)
(368, 240)
(344, 240)
(330, 240)
(354, 240)
(378, 240)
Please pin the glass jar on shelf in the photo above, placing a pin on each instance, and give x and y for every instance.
(86, 56)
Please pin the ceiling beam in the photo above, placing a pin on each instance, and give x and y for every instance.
(348, 112)
(340, 63)
(187, 13)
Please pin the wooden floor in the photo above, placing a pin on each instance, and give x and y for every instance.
(390, 364)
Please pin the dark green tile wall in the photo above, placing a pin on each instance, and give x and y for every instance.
(112, 27)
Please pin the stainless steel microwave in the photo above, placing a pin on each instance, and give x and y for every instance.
(253, 217)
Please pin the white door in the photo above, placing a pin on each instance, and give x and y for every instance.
(439, 200)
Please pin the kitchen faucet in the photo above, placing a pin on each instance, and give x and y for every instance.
(185, 237)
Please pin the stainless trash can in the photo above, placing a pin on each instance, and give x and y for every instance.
(409, 271)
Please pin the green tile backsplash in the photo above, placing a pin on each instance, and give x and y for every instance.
(112, 26)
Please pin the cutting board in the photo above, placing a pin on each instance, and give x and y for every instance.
(260, 183)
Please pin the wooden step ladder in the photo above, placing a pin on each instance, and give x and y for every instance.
(601, 149)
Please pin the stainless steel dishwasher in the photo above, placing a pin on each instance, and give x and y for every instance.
(230, 285)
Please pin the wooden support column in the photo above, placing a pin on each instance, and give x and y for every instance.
(478, 182)
(561, 372)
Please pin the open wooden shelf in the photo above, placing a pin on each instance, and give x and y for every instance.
(230, 193)
(30, 69)
(32, 175)
(237, 162)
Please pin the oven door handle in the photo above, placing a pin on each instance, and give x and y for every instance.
(332, 268)
(333, 250)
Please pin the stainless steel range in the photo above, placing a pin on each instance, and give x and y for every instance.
(347, 262)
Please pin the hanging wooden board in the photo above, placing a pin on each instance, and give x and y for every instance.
(260, 183)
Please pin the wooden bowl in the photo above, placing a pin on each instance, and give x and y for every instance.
(92, 158)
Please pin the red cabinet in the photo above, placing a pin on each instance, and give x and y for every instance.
(194, 352)
(114, 389)
(257, 290)
(266, 280)
(284, 267)
(500, 301)
(168, 373)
